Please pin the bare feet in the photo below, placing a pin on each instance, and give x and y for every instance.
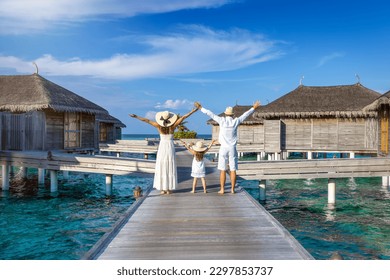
(169, 192)
(221, 192)
(233, 192)
(192, 191)
(162, 192)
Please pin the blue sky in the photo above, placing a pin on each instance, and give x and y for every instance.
(153, 55)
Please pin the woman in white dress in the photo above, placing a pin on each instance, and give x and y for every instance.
(198, 168)
(165, 176)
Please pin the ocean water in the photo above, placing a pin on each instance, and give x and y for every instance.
(35, 224)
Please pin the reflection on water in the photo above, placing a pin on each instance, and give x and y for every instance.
(357, 226)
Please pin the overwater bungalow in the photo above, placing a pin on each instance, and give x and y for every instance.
(325, 119)
(319, 119)
(37, 114)
(382, 106)
(110, 128)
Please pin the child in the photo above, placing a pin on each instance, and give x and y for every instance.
(198, 167)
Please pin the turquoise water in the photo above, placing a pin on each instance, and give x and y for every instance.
(35, 224)
(358, 227)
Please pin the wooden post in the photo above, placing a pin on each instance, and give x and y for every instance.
(5, 176)
(309, 155)
(385, 181)
(262, 186)
(108, 184)
(41, 176)
(258, 156)
(331, 191)
(53, 181)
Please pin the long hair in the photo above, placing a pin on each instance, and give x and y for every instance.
(199, 156)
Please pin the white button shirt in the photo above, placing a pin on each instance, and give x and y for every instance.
(228, 126)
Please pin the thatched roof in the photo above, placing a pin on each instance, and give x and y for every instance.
(321, 101)
(106, 118)
(238, 111)
(23, 93)
(383, 99)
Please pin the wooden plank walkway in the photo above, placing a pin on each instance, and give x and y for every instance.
(198, 226)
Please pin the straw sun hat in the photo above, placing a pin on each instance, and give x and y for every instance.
(166, 118)
(199, 147)
(229, 111)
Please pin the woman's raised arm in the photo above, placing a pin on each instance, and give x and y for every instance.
(155, 124)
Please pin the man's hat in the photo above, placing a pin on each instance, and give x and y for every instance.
(229, 111)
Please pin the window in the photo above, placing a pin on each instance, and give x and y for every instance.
(72, 132)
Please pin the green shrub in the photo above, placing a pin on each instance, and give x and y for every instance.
(184, 134)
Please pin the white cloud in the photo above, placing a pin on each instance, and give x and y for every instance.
(23, 16)
(150, 115)
(175, 104)
(196, 49)
(325, 59)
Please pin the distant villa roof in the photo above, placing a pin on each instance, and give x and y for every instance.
(22, 93)
(106, 118)
(383, 99)
(238, 111)
(322, 101)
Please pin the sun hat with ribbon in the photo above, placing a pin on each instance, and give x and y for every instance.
(199, 147)
(229, 111)
(166, 118)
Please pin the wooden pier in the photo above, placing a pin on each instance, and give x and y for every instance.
(198, 226)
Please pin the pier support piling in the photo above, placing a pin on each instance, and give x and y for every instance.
(331, 191)
(5, 170)
(385, 181)
(41, 176)
(108, 184)
(262, 186)
(53, 181)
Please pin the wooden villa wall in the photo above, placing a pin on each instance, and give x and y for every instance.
(344, 135)
(54, 130)
(88, 139)
(25, 131)
(331, 134)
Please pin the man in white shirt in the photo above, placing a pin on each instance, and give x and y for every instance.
(228, 140)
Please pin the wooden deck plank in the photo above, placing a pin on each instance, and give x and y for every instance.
(201, 226)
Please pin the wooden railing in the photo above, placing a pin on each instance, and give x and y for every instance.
(318, 168)
(79, 163)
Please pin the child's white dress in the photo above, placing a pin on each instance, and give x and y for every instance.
(165, 177)
(198, 169)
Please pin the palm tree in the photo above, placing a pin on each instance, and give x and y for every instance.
(182, 127)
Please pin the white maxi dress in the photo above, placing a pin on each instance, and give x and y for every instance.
(165, 176)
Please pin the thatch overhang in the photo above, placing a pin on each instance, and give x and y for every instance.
(238, 111)
(24, 93)
(106, 118)
(382, 100)
(344, 101)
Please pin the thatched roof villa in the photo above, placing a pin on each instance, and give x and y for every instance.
(326, 119)
(344, 118)
(37, 114)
